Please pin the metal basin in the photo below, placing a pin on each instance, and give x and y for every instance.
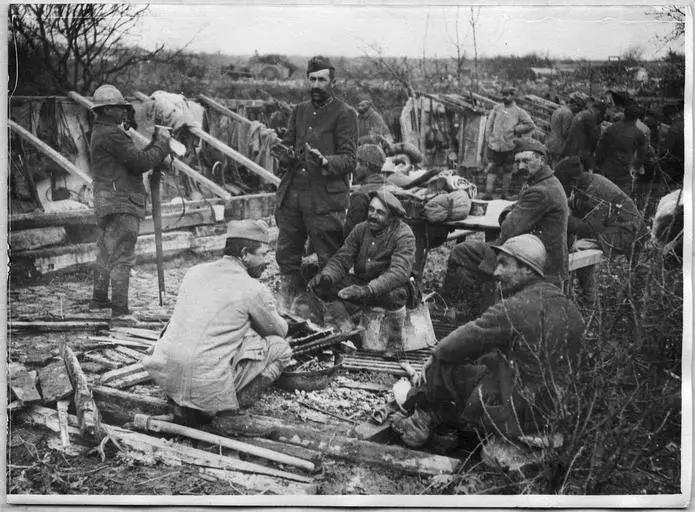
(311, 380)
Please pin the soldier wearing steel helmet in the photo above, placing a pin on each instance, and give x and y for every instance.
(502, 372)
(119, 197)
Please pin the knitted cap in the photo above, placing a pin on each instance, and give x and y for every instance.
(372, 154)
(249, 229)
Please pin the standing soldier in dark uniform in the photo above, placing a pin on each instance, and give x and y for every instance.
(313, 194)
(119, 197)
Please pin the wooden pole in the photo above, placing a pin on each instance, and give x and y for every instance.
(178, 164)
(50, 152)
(145, 422)
(221, 146)
(236, 156)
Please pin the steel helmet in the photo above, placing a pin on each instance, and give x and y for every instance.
(526, 248)
(107, 95)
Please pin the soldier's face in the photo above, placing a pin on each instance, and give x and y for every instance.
(117, 114)
(255, 261)
(363, 106)
(320, 84)
(510, 274)
(528, 163)
(378, 215)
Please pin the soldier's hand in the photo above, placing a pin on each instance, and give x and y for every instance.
(319, 282)
(353, 292)
(419, 379)
(316, 154)
(162, 135)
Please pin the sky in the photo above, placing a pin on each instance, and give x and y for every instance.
(590, 32)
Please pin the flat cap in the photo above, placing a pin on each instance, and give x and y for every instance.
(249, 229)
(318, 63)
(526, 144)
(391, 202)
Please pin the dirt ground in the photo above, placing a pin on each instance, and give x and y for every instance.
(35, 468)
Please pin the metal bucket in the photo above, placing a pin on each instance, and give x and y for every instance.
(312, 380)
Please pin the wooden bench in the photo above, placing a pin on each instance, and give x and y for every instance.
(459, 234)
(581, 259)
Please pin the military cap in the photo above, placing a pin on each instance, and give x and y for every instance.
(249, 229)
(390, 201)
(568, 169)
(318, 63)
(526, 144)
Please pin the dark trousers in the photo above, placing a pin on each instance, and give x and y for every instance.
(391, 300)
(118, 233)
(296, 221)
(469, 278)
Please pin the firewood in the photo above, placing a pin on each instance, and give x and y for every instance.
(87, 411)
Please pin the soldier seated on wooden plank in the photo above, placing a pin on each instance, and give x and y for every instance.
(225, 341)
(506, 371)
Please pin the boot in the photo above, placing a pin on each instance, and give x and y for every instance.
(120, 314)
(395, 321)
(506, 186)
(415, 429)
(587, 280)
(489, 186)
(336, 315)
(250, 394)
(290, 286)
(100, 291)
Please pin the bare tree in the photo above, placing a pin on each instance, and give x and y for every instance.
(674, 14)
(79, 45)
(458, 45)
(475, 14)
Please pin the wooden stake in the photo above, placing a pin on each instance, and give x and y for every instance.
(62, 406)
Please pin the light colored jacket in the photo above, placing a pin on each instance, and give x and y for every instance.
(218, 304)
(505, 124)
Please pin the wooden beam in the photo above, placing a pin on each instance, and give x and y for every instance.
(55, 382)
(145, 422)
(149, 448)
(50, 152)
(178, 164)
(88, 415)
(23, 383)
(584, 258)
(121, 406)
(236, 156)
(342, 447)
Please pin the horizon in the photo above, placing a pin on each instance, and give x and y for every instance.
(406, 31)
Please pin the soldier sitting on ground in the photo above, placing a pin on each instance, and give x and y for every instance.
(382, 251)
(504, 372)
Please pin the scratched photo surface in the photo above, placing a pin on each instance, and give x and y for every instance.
(407, 255)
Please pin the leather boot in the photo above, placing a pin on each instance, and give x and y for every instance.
(100, 290)
(506, 187)
(395, 321)
(290, 286)
(491, 178)
(120, 281)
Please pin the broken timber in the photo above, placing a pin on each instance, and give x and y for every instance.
(23, 383)
(225, 468)
(145, 422)
(178, 164)
(125, 377)
(48, 326)
(55, 382)
(50, 152)
(87, 412)
(342, 447)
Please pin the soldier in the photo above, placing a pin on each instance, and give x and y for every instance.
(313, 194)
(119, 197)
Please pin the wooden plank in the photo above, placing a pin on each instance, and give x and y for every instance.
(236, 156)
(98, 358)
(153, 449)
(178, 164)
(121, 372)
(62, 407)
(121, 406)
(88, 415)
(137, 332)
(23, 383)
(118, 357)
(145, 422)
(50, 152)
(133, 354)
(126, 343)
(36, 238)
(584, 258)
(55, 382)
(367, 386)
(130, 380)
(342, 447)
